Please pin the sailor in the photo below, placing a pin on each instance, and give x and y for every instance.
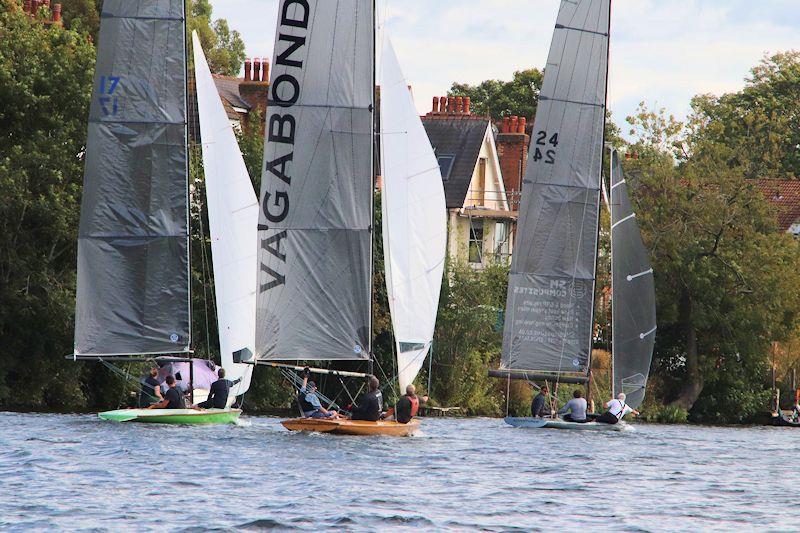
(617, 409)
(407, 406)
(575, 409)
(218, 395)
(150, 389)
(372, 404)
(309, 402)
(539, 404)
(173, 399)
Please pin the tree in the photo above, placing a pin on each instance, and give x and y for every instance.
(498, 99)
(224, 48)
(761, 123)
(724, 277)
(45, 86)
(82, 16)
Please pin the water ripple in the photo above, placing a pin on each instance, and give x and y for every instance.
(67, 472)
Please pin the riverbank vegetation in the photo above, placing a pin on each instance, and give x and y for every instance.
(726, 278)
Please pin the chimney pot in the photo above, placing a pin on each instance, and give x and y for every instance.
(435, 104)
(256, 69)
(459, 105)
(265, 69)
(27, 7)
(467, 105)
(56, 12)
(451, 104)
(514, 124)
(247, 66)
(506, 127)
(522, 123)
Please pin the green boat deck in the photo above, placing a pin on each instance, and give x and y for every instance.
(173, 416)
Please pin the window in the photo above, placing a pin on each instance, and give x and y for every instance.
(476, 243)
(480, 192)
(501, 241)
(446, 165)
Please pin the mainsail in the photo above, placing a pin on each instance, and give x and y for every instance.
(232, 217)
(548, 325)
(315, 221)
(633, 304)
(133, 242)
(414, 220)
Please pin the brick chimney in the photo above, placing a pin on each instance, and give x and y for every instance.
(254, 88)
(452, 108)
(512, 149)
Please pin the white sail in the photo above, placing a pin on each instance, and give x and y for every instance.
(233, 219)
(414, 220)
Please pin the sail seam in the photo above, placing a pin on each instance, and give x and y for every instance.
(139, 17)
(566, 101)
(584, 30)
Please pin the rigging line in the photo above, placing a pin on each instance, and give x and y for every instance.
(206, 274)
(643, 335)
(617, 184)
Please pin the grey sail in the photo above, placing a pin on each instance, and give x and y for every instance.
(133, 241)
(633, 300)
(315, 221)
(548, 323)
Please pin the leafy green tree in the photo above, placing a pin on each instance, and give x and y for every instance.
(498, 99)
(82, 16)
(761, 123)
(45, 86)
(224, 48)
(724, 277)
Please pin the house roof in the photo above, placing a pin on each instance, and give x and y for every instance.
(784, 196)
(228, 89)
(461, 139)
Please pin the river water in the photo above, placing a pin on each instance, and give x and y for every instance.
(76, 472)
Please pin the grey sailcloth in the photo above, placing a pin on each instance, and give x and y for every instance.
(548, 324)
(633, 297)
(133, 241)
(315, 221)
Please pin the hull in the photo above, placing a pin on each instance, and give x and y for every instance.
(780, 419)
(173, 416)
(352, 427)
(556, 423)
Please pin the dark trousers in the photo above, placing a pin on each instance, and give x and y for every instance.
(568, 418)
(607, 418)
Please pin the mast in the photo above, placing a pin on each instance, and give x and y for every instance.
(375, 135)
(611, 153)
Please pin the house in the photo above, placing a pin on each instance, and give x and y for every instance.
(784, 197)
(243, 98)
(480, 220)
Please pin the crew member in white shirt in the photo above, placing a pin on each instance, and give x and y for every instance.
(617, 409)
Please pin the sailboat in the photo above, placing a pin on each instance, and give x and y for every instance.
(133, 292)
(548, 329)
(315, 227)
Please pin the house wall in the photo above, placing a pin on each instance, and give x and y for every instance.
(491, 193)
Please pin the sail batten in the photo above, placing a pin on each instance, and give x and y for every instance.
(133, 292)
(548, 323)
(315, 218)
(414, 221)
(633, 304)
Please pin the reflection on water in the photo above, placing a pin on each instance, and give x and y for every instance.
(69, 472)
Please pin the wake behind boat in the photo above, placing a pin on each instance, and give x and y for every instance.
(173, 416)
(558, 423)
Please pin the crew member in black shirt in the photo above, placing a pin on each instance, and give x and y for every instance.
(150, 389)
(173, 399)
(218, 395)
(372, 404)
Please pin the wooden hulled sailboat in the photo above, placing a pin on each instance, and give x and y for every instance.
(133, 297)
(550, 306)
(317, 215)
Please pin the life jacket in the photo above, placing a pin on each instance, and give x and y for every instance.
(305, 405)
(414, 405)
